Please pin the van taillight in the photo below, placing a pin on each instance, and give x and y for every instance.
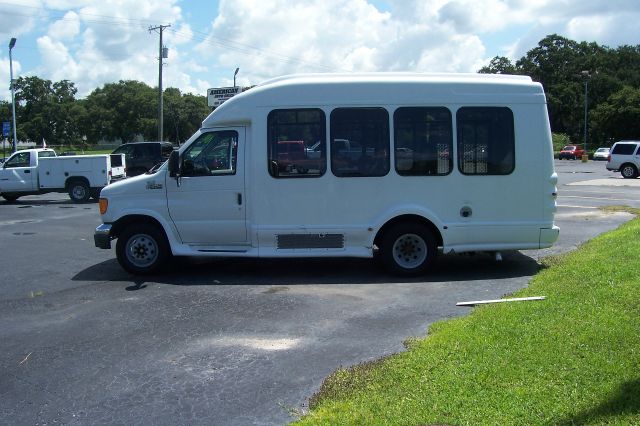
(609, 157)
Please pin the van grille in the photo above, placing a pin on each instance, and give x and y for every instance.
(310, 241)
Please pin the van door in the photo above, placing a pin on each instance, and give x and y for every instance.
(19, 173)
(209, 206)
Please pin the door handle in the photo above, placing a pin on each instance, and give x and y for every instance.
(27, 171)
(239, 199)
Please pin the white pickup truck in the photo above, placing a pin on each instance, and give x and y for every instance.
(40, 170)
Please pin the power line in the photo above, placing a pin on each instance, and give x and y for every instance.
(243, 48)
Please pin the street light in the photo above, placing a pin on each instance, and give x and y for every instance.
(234, 76)
(13, 100)
(586, 76)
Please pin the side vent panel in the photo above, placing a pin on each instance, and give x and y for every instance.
(310, 241)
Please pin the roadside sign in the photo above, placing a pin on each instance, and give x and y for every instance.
(217, 95)
(6, 128)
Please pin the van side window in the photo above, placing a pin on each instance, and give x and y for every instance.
(296, 143)
(423, 141)
(359, 142)
(486, 141)
(213, 153)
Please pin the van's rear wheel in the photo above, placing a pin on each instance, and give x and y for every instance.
(142, 249)
(629, 171)
(408, 249)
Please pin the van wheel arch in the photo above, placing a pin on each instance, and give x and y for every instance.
(124, 222)
(411, 228)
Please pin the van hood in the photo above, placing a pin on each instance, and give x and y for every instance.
(141, 184)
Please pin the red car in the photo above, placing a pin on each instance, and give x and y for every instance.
(571, 152)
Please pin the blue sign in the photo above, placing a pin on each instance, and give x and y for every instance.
(6, 128)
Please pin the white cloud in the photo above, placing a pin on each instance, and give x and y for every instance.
(611, 30)
(5, 76)
(334, 35)
(66, 28)
(19, 16)
(93, 42)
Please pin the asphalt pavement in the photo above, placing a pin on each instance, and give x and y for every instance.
(229, 342)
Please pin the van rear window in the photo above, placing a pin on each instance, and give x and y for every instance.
(624, 148)
(486, 140)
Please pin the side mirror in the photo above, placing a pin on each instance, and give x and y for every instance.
(174, 164)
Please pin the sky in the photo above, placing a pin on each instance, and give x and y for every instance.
(92, 42)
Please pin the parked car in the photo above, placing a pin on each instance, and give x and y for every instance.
(625, 158)
(601, 154)
(142, 156)
(293, 156)
(571, 152)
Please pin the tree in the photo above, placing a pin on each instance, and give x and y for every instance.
(183, 114)
(499, 65)
(563, 66)
(619, 117)
(43, 110)
(122, 111)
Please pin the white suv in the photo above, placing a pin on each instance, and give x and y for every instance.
(625, 158)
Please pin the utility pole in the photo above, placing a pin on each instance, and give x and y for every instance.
(162, 54)
(12, 43)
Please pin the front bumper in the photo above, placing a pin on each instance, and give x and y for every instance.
(102, 237)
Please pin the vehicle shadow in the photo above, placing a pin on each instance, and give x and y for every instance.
(194, 272)
(625, 401)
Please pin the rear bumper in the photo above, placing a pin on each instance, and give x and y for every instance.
(102, 236)
(548, 236)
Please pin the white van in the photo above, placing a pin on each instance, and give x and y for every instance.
(450, 163)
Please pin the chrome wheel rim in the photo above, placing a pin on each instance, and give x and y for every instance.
(410, 251)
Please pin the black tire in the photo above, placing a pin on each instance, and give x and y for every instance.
(629, 171)
(95, 193)
(79, 191)
(10, 198)
(142, 249)
(408, 249)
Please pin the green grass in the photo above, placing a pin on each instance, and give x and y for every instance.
(573, 358)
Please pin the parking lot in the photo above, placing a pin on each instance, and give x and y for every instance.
(226, 341)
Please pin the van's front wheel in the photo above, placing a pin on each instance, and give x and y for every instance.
(142, 249)
(408, 249)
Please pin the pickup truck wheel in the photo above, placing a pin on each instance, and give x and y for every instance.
(408, 249)
(10, 198)
(629, 171)
(79, 191)
(142, 249)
